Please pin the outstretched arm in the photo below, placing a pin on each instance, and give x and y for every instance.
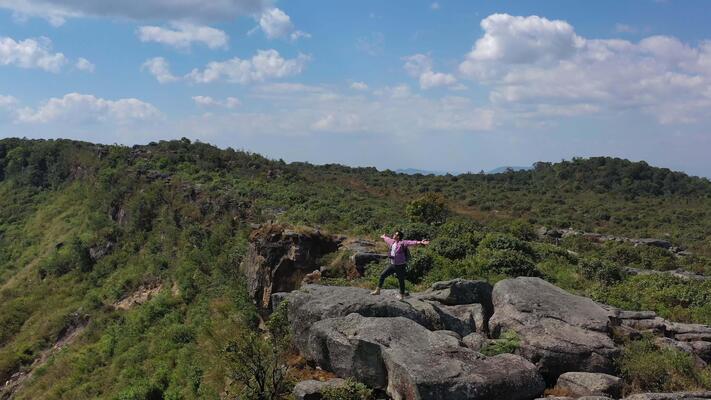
(387, 239)
(415, 242)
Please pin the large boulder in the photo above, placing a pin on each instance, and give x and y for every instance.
(558, 331)
(313, 303)
(279, 258)
(411, 362)
(313, 390)
(670, 396)
(590, 384)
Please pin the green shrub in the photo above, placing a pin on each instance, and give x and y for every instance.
(72, 256)
(429, 209)
(647, 368)
(669, 296)
(601, 271)
(508, 342)
(350, 390)
(507, 262)
(502, 241)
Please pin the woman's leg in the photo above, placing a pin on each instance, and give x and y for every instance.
(388, 271)
(401, 271)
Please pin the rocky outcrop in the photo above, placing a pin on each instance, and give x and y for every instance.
(278, 259)
(694, 339)
(580, 384)
(670, 396)
(312, 389)
(413, 349)
(558, 331)
(411, 362)
(313, 303)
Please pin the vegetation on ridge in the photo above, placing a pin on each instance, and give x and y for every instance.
(176, 216)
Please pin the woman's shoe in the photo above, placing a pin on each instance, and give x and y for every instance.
(400, 296)
(375, 292)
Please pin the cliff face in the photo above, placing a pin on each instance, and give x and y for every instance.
(278, 259)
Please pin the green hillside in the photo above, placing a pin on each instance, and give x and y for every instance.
(83, 227)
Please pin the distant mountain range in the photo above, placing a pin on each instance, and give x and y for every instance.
(504, 169)
(413, 171)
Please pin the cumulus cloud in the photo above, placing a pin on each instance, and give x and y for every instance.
(304, 109)
(160, 69)
(207, 101)
(7, 101)
(359, 86)
(57, 11)
(85, 108)
(266, 64)
(183, 35)
(420, 66)
(372, 45)
(540, 66)
(85, 65)
(31, 53)
(276, 24)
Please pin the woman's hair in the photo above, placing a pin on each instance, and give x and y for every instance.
(399, 234)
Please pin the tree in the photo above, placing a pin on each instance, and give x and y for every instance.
(429, 208)
(258, 362)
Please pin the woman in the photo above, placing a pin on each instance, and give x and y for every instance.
(398, 260)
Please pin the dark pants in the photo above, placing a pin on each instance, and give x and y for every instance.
(399, 270)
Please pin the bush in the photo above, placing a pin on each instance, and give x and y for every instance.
(601, 271)
(670, 297)
(74, 255)
(419, 265)
(508, 342)
(648, 368)
(502, 241)
(507, 262)
(429, 209)
(350, 390)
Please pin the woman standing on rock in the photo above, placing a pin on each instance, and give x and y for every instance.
(398, 255)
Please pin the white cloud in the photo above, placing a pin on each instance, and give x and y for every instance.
(420, 66)
(83, 64)
(183, 35)
(359, 86)
(31, 53)
(536, 66)
(302, 109)
(57, 11)
(435, 6)
(207, 101)
(266, 64)
(276, 24)
(160, 69)
(79, 108)
(7, 101)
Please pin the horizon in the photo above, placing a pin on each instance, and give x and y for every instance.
(444, 86)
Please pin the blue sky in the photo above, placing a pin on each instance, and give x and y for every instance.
(446, 85)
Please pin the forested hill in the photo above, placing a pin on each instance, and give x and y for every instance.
(87, 231)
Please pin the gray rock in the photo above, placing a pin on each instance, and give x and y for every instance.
(670, 396)
(558, 331)
(463, 319)
(313, 303)
(475, 341)
(311, 389)
(590, 384)
(460, 291)
(278, 259)
(411, 362)
(450, 334)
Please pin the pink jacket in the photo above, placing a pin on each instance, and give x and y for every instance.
(399, 257)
